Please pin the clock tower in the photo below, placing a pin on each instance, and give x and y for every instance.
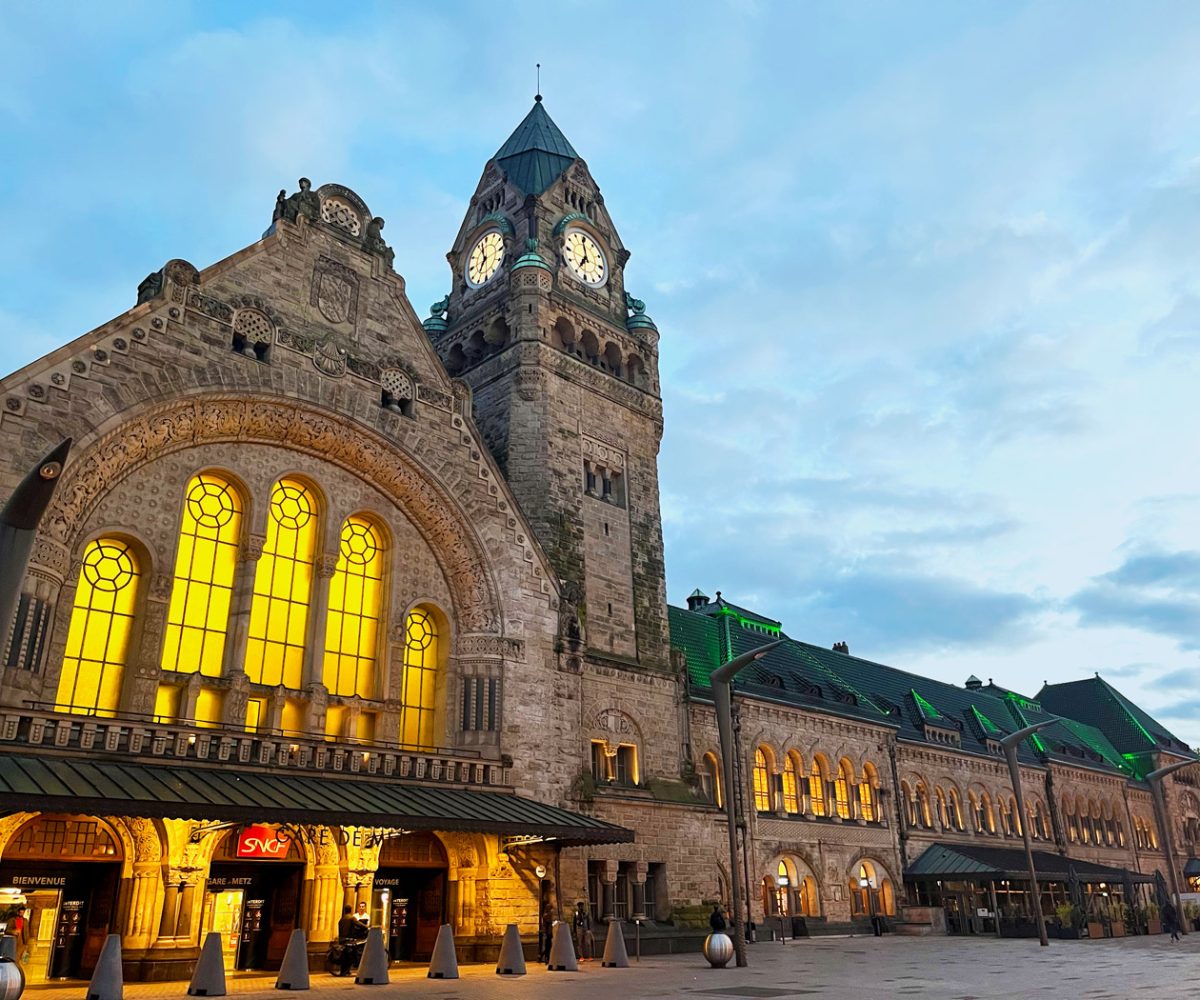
(563, 365)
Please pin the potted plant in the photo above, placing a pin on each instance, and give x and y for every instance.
(1191, 913)
(1096, 914)
(1116, 919)
(1066, 922)
(1153, 918)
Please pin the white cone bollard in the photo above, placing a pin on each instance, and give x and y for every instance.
(562, 950)
(373, 966)
(107, 981)
(444, 963)
(615, 955)
(293, 973)
(512, 955)
(208, 978)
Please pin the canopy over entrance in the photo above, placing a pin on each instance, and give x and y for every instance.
(115, 788)
(955, 861)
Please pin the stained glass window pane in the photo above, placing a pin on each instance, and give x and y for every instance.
(101, 622)
(355, 606)
(762, 783)
(282, 588)
(421, 655)
(205, 566)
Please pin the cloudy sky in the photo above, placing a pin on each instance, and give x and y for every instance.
(927, 275)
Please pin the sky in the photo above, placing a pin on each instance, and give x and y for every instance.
(927, 275)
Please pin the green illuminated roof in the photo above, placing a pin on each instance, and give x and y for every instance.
(537, 153)
(1096, 702)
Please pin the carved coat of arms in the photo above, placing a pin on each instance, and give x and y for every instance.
(335, 291)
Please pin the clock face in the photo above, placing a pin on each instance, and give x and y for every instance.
(485, 259)
(585, 258)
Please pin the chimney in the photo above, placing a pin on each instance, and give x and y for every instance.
(697, 600)
(841, 647)
(973, 683)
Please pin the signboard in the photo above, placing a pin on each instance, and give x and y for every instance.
(262, 842)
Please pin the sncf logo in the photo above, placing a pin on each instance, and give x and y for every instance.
(262, 842)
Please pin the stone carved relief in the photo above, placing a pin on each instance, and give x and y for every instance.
(334, 291)
(184, 423)
(487, 645)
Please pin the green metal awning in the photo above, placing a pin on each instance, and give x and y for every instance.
(955, 861)
(116, 788)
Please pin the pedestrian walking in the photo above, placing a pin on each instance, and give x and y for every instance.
(1170, 919)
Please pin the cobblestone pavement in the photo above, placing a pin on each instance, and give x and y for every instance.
(837, 968)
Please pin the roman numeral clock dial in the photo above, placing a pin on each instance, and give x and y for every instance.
(585, 258)
(485, 259)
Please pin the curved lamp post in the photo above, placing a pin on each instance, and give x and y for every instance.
(721, 681)
(1160, 813)
(1010, 744)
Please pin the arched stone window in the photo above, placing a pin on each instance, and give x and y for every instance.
(283, 588)
(956, 814)
(710, 779)
(986, 815)
(764, 800)
(205, 567)
(910, 804)
(101, 626)
(793, 783)
(355, 609)
(816, 787)
(841, 788)
(422, 659)
(867, 796)
(877, 897)
(943, 810)
(924, 816)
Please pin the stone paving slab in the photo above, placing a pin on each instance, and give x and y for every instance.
(835, 968)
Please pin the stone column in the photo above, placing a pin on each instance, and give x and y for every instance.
(639, 891)
(327, 903)
(314, 653)
(240, 604)
(187, 907)
(170, 907)
(608, 879)
(140, 922)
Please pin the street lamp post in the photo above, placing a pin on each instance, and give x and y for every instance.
(1154, 778)
(1010, 744)
(722, 680)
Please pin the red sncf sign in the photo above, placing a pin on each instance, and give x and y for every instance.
(262, 842)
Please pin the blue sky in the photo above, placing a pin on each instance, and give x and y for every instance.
(927, 275)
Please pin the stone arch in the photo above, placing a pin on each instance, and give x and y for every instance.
(184, 423)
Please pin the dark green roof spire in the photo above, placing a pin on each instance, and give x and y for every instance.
(537, 152)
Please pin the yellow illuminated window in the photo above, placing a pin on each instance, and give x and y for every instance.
(208, 707)
(205, 565)
(420, 678)
(166, 703)
(762, 782)
(335, 722)
(355, 604)
(866, 794)
(282, 588)
(256, 714)
(841, 789)
(101, 623)
(293, 717)
(816, 790)
(791, 785)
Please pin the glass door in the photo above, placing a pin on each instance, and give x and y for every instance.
(225, 917)
(42, 918)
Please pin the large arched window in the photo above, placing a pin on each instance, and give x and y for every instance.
(841, 788)
(866, 793)
(942, 810)
(101, 624)
(763, 799)
(422, 652)
(793, 777)
(205, 566)
(871, 891)
(924, 816)
(956, 810)
(283, 588)
(816, 787)
(355, 608)
(910, 804)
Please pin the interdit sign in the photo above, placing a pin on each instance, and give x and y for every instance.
(263, 842)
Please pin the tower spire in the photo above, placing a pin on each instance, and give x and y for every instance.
(538, 96)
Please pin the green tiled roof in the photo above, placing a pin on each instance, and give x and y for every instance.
(1099, 704)
(989, 863)
(825, 680)
(537, 152)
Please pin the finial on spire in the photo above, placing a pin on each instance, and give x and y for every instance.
(538, 96)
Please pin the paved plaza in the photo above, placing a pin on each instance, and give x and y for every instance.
(837, 968)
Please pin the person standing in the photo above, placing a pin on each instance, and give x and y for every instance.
(351, 933)
(583, 932)
(716, 920)
(547, 933)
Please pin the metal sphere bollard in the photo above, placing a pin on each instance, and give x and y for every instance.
(718, 949)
